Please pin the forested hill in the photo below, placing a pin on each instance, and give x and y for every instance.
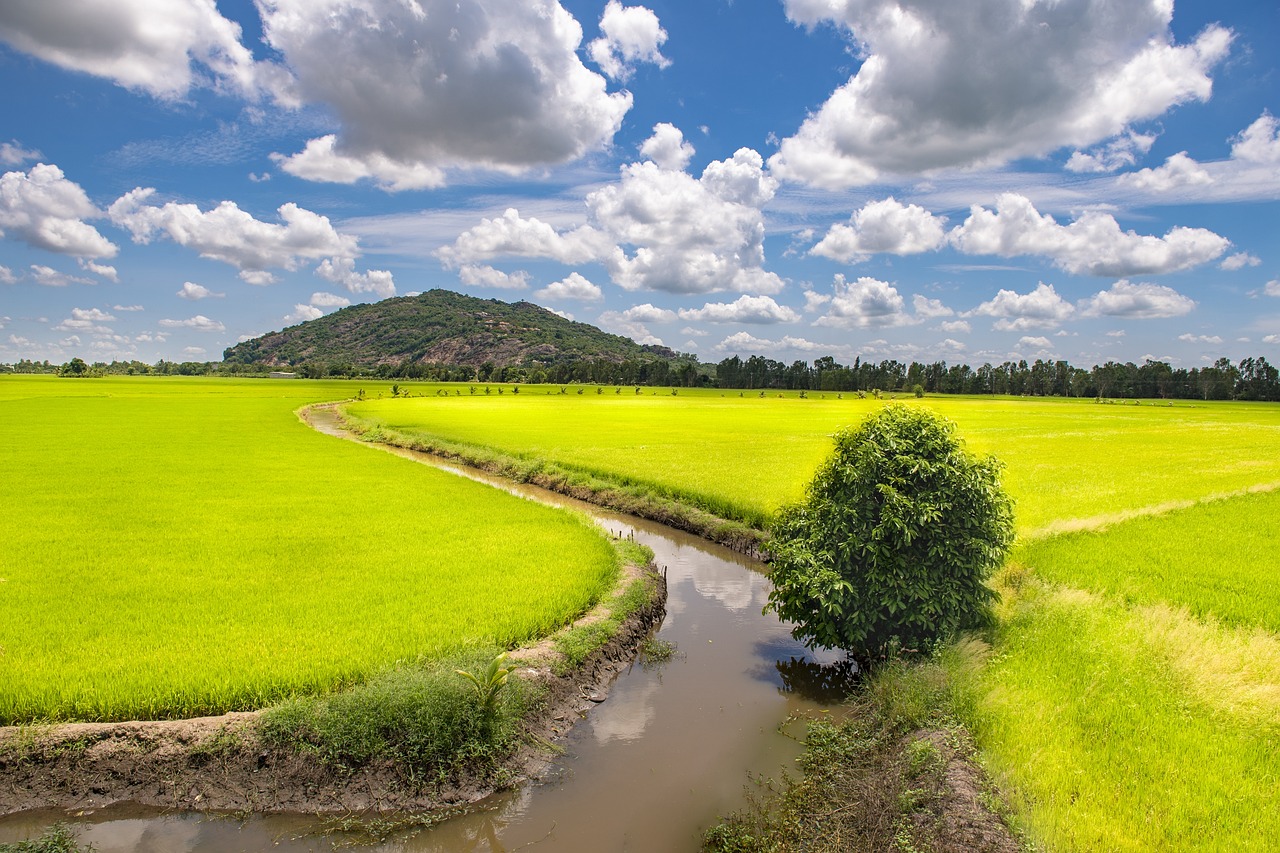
(441, 327)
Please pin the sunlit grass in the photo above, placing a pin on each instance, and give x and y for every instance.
(180, 547)
(1067, 460)
(1121, 728)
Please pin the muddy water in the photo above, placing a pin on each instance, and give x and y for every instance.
(671, 748)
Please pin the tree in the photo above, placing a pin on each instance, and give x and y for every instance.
(899, 530)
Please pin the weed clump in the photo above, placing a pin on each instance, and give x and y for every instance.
(424, 720)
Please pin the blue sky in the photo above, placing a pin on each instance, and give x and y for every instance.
(1089, 180)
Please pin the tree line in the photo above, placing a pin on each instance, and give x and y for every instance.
(1250, 379)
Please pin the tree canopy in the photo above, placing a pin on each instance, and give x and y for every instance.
(893, 543)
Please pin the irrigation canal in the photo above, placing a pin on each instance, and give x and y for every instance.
(673, 747)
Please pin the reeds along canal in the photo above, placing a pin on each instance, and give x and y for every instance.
(674, 745)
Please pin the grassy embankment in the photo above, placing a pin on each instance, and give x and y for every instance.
(1128, 698)
(178, 547)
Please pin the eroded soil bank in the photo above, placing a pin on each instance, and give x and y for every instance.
(221, 763)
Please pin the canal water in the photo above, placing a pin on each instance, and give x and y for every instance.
(672, 748)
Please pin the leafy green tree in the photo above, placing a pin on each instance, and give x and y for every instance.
(898, 532)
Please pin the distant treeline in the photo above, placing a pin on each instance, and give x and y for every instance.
(1250, 379)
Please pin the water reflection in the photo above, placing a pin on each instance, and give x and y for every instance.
(827, 683)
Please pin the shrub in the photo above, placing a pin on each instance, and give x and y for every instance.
(899, 530)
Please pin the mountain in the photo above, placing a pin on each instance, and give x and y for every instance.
(445, 328)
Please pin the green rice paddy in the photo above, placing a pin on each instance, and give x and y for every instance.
(1130, 697)
(182, 547)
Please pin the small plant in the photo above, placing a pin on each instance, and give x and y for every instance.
(56, 839)
(655, 651)
(490, 683)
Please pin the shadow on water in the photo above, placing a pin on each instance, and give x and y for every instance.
(671, 750)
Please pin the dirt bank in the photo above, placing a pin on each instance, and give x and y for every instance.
(221, 764)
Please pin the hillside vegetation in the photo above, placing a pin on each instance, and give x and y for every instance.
(441, 327)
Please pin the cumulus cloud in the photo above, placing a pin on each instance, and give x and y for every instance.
(883, 226)
(162, 47)
(865, 303)
(1200, 339)
(1272, 288)
(479, 275)
(1259, 142)
(195, 292)
(512, 235)
(667, 147)
(1040, 342)
(1177, 172)
(1092, 244)
(955, 326)
(44, 209)
(981, 83)
(1271, 339)
(688, 235)
(1119, 153)
(88, 320)
(1139, 301)
(7, 276)
(573, 286)
(422, 87)
(650, 313)
(320, 303)
(620, 324)
(1239, 261)
(655, 229)
(744, 343)
(105, 270)
(228, 234)
(199, 322)
(632, 35)
(929, 309)
(1016, 312)
(762, 310)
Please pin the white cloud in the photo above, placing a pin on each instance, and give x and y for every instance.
(1140, 301)
(1092, 244)
(620, 324)
(688, 235)
(745, 309)
(1178, 171)
(574, 286)
(195, 292)
(1039, 342)
(321, 299)
(650, 313)
(1271, 339)
(1272, 288)
(929, 309)
(981, 83)
(883, 226)
(193, 350)
(49, 277)
(105, 270)
(44, 209)
(485, 276)
(1239, 261)
(667, 147)
(1200, 339)
(127, 308)
(511, 235)
(302, 313)
(864, 303)
(7, 276)
(655, 229)
(343, 271)
(1116, 333)
(744, 343)
(163, 47)
(1016, 312)
(228, 234)
(199, 322)
(422, 87)
(955, 326)
(632, 34)
(13, 154)
(1116, 154)
(87, 320)
(1259, 142)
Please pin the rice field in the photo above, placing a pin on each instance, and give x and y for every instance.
(176, 547)
(1129, 698)
(1069, 462)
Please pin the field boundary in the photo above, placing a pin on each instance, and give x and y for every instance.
(587, 487)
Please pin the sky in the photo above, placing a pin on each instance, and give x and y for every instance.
(978, 181)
